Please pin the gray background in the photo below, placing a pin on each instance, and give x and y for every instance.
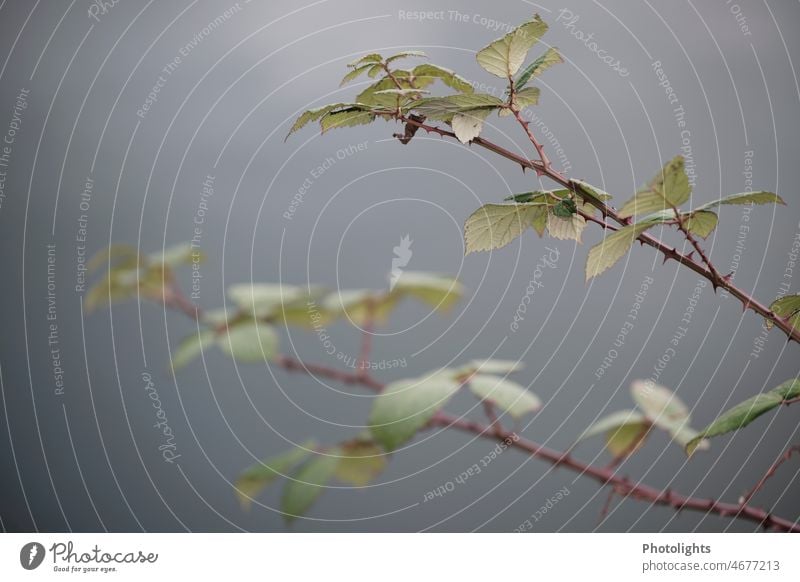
(88, 460)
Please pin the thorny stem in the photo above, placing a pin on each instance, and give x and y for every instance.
(770, 472)
(608, 212)
(623, 486)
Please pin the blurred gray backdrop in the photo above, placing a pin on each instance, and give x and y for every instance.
(74, 80)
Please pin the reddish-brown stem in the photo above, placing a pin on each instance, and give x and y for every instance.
(604, 475)
(747, 301)
(770, 472)
(366, 340)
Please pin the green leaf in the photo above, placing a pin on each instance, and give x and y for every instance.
(375, 70)
(428, 72)
(191, 347)
(589, 191)
(626, 439)
(745, 198)
(249, 341)
(670, 188)
(494, 366)
(405, 55)
(746, 412)
(360, 305)
(505, 56)
(254, 479)
(346, 118)
(354, 74)
(613, 247)
(526, 97)
(308, 483)
(115, 255)
(612, 422)
(701, 222)
(468, 125)
(493, 226)
(788, 308)
(539, 66)
(263, 298)
(405, 406)
(370, 58)
(569, 228)
(438, 291)
(360, 463)
(665, 410)
(443, 108)
(175, 256)
(507, 395)
(315, 114)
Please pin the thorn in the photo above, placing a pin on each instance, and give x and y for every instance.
(666, 258)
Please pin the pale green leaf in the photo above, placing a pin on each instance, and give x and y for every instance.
(507, 395)
(175, 256)
(265, 299)
(746, 412)
(249, 341)
(613, 247)
(307, 484)
(670, 188)
(191, 347)
(539, 66)
(626, 439)
(788, 308)
(438, 291)
(354, 74)
(346, 118)
(569, 228)
(468, 125)
(254, 479)
(406, 55)
(665, 410)
(428, 72)
(745, 198)
(370, 58)
(360, 463)
(443, 108)
(505, 56)
(405, 406)
(612, 422)
(495, 366)
(360, 305)
(315, 114)
(493, 226)
(701, 222)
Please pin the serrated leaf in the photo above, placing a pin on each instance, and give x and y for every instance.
(526, 97)
(613, 247)
(254, 479)
(445, 107)
(701, 222)
(669, 188)
(539, 66)
(191, 347)
(665, 410)
(360, 305)
(788, 308)
(438, 291)
(249, 341)
(430, 72)
(626, 439)
(264, 299)
(506, 394)
(405, 406)
(746, 412)
(354, 74)
(405, 55)
(370, 58)
(308, 483)
(346, 118)
(760, 197)
(569, 228)
(493, 226)
(612, 422)
(495, 366)
(468, 125)
(315, 114)
(360, 463)
(505, 56)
